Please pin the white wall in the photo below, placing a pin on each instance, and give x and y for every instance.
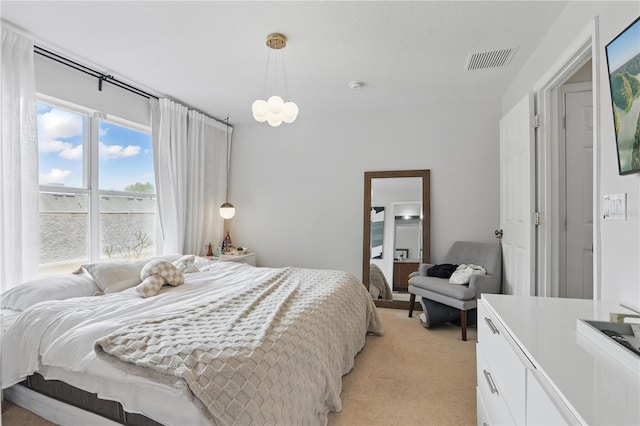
(298, 188)
(620, 241)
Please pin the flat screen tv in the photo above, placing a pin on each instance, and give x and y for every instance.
(623, 64)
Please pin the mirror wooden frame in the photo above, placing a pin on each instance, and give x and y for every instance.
(426, 215)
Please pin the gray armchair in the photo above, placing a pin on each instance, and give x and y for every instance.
(463, 297)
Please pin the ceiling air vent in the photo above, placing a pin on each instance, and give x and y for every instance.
(493, 59)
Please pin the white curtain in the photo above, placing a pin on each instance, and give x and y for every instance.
(19, 205)
(190, 165)
(206, 180)
(169, 136)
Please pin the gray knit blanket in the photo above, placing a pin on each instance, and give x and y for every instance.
(274, 353)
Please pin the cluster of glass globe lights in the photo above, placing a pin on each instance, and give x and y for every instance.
(275, 110)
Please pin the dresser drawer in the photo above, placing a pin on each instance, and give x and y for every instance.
(506, 362)
(544, 406)
(482, 416)
(491, 406)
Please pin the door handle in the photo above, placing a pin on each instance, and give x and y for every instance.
(493, 328)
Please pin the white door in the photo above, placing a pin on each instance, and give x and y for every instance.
(517, 181)
(578, 282)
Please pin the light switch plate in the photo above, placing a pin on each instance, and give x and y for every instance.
(614, 207)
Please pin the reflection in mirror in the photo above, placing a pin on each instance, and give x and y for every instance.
(408, 242)
(408, 231)
(396, 244)
(377, 232)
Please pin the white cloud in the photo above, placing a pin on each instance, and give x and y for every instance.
(58, 124)
(54, 146)
(56, 176)
(111, 152)
(65, 150)
(74, 153)
(131, 150)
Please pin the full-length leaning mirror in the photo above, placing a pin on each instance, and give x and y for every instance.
(396, 233)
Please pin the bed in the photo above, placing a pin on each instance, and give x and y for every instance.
(234, 344)
(378, 285)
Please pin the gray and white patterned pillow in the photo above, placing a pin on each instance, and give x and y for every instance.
(155, 274)
(150, 286)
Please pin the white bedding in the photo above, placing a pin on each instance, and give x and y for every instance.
(56, 339)
(8, 317)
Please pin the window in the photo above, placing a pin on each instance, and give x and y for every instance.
(97, 187)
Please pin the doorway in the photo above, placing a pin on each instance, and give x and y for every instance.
(562, 269)
(576, 189)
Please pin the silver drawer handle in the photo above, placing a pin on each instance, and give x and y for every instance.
(492, 385)
(493, 328)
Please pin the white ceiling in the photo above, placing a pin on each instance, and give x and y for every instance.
(211, 55)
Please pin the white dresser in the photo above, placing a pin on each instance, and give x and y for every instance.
(534, 367)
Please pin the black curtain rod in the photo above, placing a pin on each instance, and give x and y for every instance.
(102, 77)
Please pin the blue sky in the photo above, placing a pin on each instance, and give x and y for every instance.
(625, 47)
(125, 154)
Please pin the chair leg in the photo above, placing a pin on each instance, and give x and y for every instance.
(412, 300)
(463, 324)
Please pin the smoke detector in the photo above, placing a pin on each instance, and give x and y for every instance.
(356, 85)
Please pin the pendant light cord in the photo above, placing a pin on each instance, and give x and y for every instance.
(275, 53)
(228, 159)
(266, 75)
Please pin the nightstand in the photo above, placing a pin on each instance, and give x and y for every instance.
(249, 258)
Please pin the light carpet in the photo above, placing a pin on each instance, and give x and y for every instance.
(409, 376)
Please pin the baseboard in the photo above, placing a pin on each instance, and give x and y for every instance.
(397, 304)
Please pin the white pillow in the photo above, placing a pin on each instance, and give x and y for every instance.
(167, 257)
(117, 275)
(200, 262)
(186, 264)
(112, 276)
(463, 273)
(53, 287)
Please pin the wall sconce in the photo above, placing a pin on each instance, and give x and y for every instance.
(227, 211)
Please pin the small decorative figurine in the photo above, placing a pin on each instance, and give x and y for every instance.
(209, 249)
(227, 245)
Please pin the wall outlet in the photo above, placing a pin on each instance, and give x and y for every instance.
(614, 207)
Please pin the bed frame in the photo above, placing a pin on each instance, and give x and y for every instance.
(62, 403)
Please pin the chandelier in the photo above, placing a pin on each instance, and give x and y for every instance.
(275, 110)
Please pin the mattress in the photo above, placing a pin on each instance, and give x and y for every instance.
(56, 340)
